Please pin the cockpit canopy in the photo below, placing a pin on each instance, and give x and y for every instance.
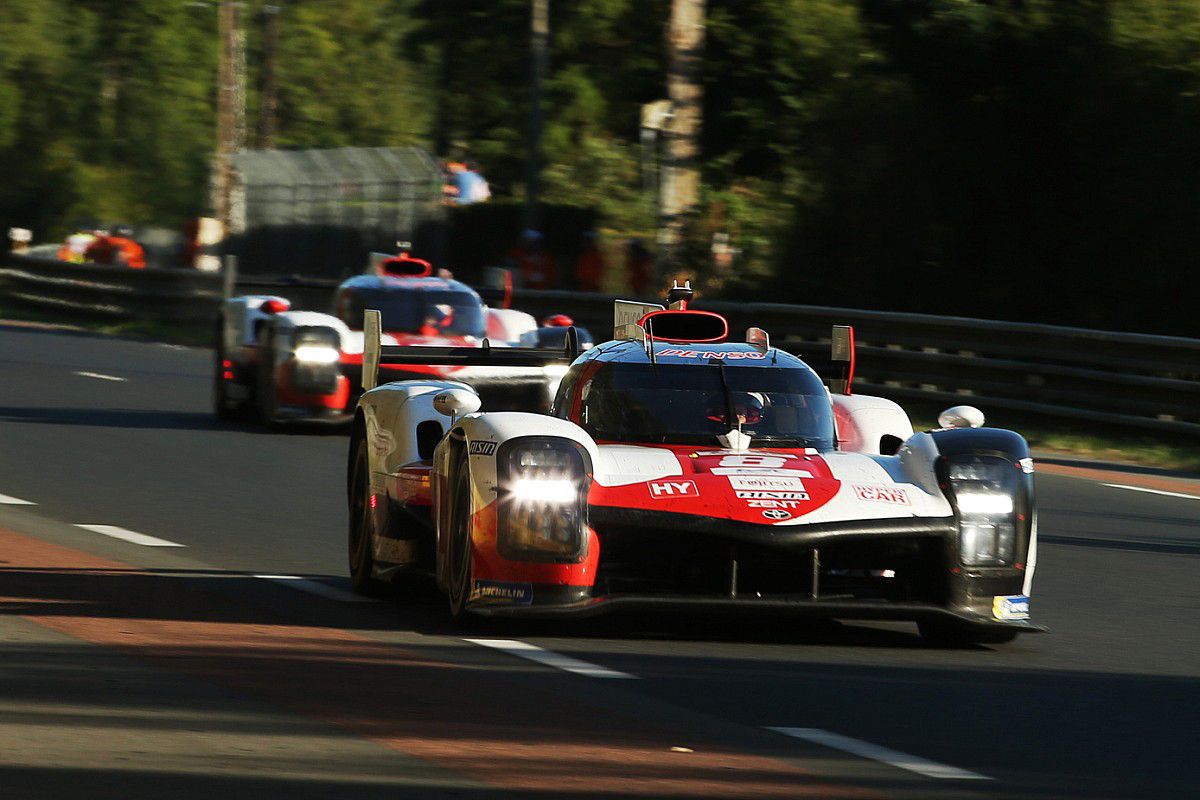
(693, 404)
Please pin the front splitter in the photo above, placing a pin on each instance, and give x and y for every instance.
(826, 609)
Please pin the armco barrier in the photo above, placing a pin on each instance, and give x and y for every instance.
(112, 292)
(1128, 379)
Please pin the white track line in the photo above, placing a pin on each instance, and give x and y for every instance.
(129, 536)
(557, 660)
(317, 588)
(101, 376)
(1153, 491)
(921, 766)
(14, 501)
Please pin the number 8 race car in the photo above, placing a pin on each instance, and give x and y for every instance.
(681, 471)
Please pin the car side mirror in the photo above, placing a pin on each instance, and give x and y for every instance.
(454, 403)
(961, 417)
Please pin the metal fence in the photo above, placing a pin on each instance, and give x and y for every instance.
(1135, 380)
(319, 212)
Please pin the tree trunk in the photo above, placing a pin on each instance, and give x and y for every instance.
(681, 175)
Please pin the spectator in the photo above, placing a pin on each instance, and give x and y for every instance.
(100, 249)
(465, 185)
(117, 247)
(534, 266)
(639, 267)
(129, 252)
(589, 265)
(76, 246)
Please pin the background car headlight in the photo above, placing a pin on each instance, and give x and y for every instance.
(543, 499)
(984, 489)
(317, 354)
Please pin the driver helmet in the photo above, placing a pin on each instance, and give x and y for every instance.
(437, 318)
(748, 408)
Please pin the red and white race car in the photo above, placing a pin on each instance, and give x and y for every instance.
(276, 363)
(680, 470)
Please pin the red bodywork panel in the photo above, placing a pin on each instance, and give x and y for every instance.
(762, 487)
(286, 396)
(723, 484)
(356, 359)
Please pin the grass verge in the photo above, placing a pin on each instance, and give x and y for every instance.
(1081, 439)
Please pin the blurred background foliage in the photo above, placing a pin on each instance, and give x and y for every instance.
(1020, 159)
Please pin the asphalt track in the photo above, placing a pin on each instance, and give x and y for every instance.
(130, 671)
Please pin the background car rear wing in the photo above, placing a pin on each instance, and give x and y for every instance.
(376, 353)
(838, 370)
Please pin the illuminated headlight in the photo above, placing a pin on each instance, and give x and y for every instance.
(316, 354)
(555, 371)
(984, 488)
(542, 503)
(984, 503)
(544, 490)
(316, 351)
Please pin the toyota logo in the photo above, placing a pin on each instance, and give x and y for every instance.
(776, 513)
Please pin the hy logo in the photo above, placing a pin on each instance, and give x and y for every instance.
(660, 490)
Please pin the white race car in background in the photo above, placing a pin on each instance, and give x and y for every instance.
(275, 363)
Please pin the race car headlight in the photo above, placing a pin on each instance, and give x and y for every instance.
(317, 354)
(542, 505)
(983, 489)
(551, 491)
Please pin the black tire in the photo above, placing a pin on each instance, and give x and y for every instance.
(459, 552)
(362, 524)
(265, 403)
(223, 407)
(942, 634)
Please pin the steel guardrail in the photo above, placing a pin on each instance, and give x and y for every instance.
(1127, 379)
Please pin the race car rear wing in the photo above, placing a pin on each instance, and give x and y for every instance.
(837, 370)
(376, 353)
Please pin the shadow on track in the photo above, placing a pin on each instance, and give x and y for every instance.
(227, 597)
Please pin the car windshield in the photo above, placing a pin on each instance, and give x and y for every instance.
(425, 312)
(685, 404)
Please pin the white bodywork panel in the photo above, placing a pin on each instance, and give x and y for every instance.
(510, 322)
(863, 420)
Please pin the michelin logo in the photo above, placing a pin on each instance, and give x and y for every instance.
(1009, 607)
(520, 594)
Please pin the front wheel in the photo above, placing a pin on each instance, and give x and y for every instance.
(265, 397)
(362, 525)
(460, 553)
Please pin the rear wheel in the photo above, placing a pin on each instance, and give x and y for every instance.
(362, 524)
(943, 634)
(459, 551)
